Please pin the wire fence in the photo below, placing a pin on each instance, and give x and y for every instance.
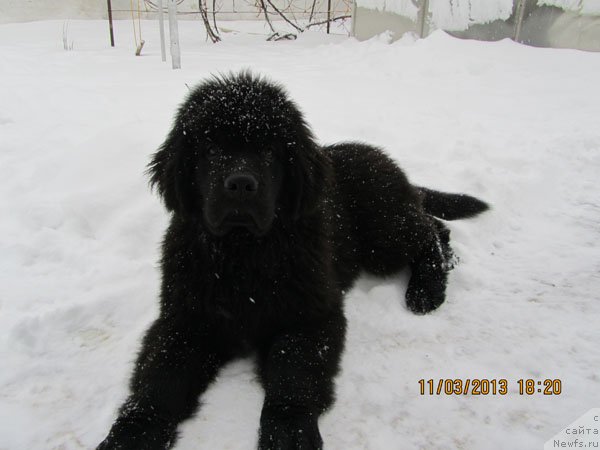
(300, 14)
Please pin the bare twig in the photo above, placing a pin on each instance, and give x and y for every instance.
(214, 14)
(312, 11)
(300, 30)
(323, 22)
(264, 8)
(212, 34)
(286, 12)
(286, 37)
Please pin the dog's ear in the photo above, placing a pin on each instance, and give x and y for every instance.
(312, 172)
(171, 173)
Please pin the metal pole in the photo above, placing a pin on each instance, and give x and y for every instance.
(328, 15)
(161, 24)
(174, 34)
(422, 18)
(353, 30)
(519, 22)
(110, 23)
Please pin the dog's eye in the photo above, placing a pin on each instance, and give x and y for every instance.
(212, 152)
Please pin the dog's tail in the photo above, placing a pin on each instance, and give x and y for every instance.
(451, 206)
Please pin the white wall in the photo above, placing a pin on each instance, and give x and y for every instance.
(28, 10)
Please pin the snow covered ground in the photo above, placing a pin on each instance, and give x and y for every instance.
(79, 231)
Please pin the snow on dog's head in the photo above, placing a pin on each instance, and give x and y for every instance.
(239, 157)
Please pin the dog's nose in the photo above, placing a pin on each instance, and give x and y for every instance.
(241, 185)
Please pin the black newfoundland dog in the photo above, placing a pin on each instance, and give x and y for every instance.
(268, 230)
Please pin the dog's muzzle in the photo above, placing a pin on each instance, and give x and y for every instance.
(241, 205)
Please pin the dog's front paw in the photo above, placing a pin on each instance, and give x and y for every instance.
(422, 299)
(286, 428)
(128, 434)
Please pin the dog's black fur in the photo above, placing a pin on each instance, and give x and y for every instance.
(268, 230)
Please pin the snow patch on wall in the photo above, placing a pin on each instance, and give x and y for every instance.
(405, 8)
(446, 14)
(584, 7)
(459, 14)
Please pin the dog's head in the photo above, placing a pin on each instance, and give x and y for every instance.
(239, 155)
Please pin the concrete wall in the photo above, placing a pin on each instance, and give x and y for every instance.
(368, 23)
(529, 23)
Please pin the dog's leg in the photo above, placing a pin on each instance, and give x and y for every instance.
(173, 368)
(297, 370)
(427, 286)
